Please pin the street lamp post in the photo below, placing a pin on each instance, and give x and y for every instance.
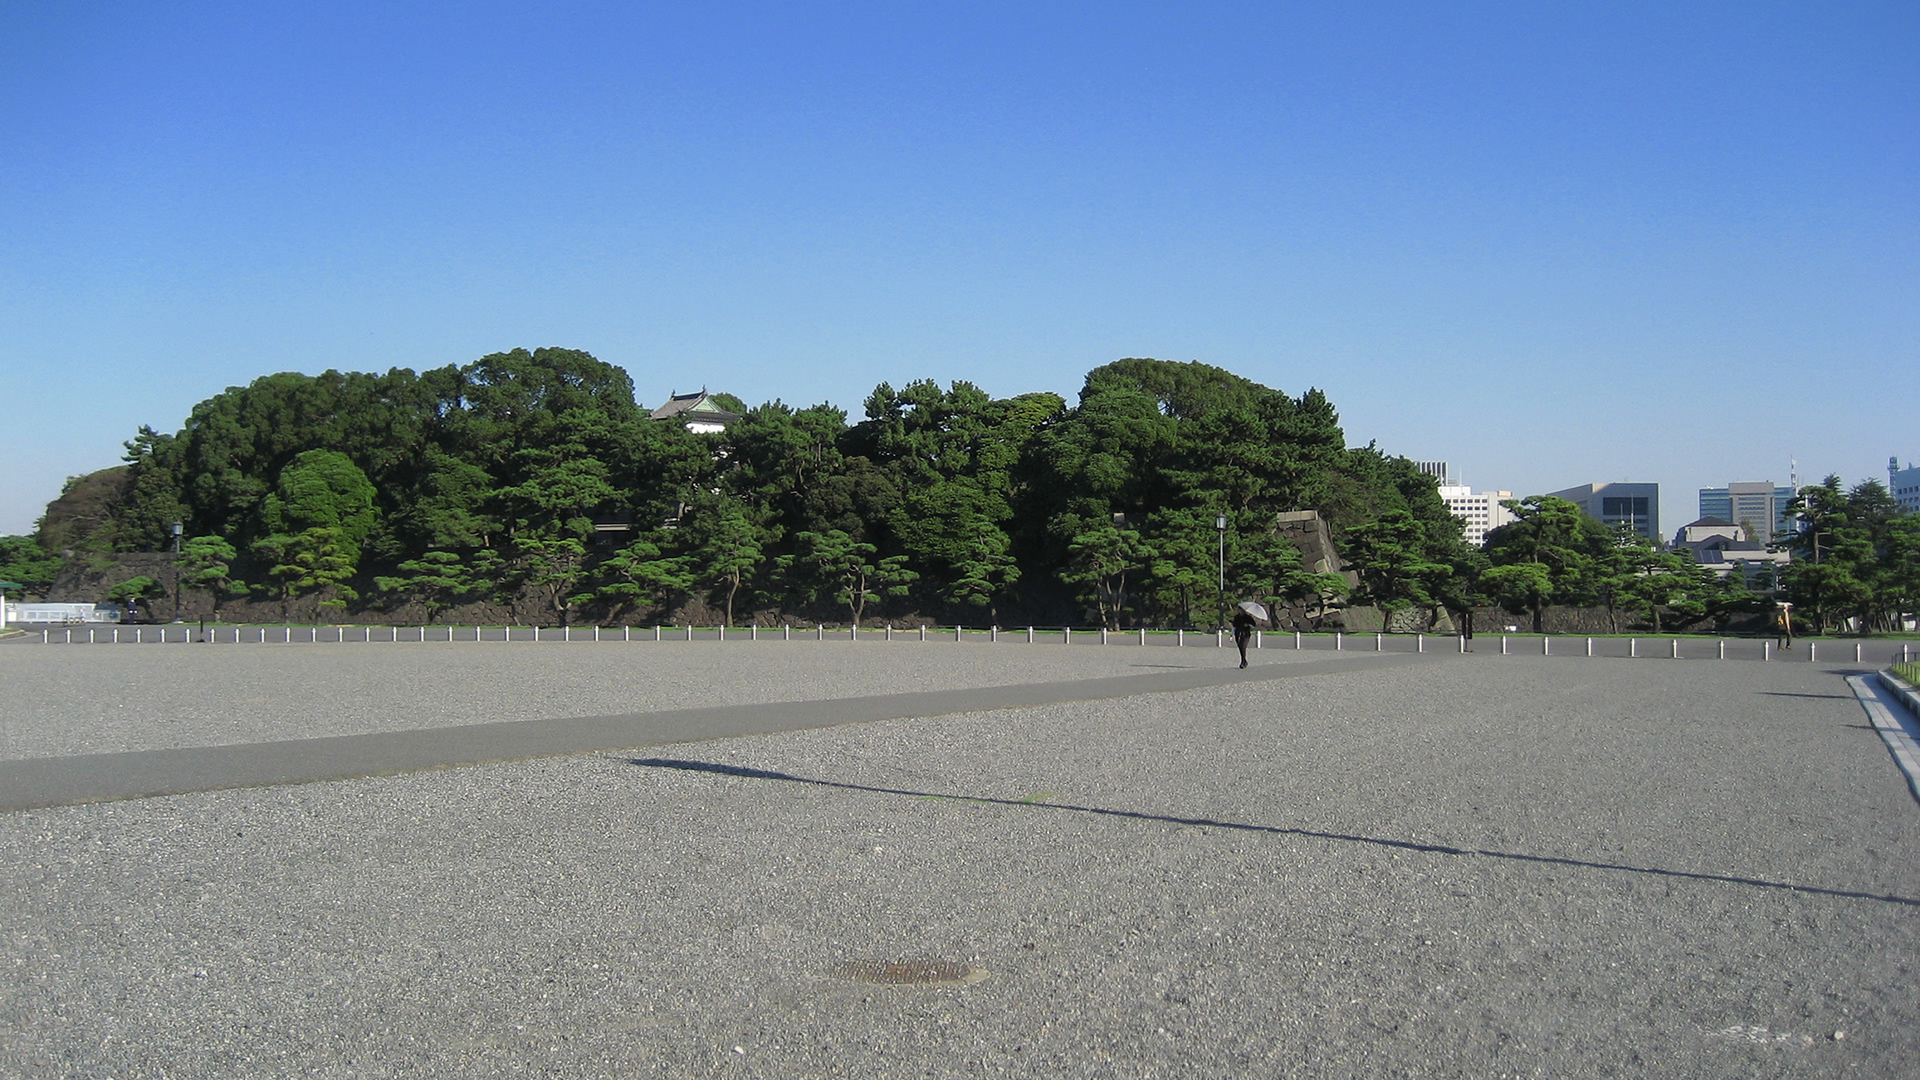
(177, 529)
(1220, 523)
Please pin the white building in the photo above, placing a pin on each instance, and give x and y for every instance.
(59, 614)
(1904, 484)
(1479, 514)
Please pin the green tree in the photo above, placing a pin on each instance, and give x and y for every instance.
(22, 559)
(206, 562)
(1100, 557)
(847, 570)
(1523, 586)
(642, 573)
(438, 579)
(1389, 555)
(552, 566)
(1556, 536)
(1658, 583)
(727, 548)
(1832, 571)
(318, 560)
(136, 593)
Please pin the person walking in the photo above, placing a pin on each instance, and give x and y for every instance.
(1783, 618)
(1242, 632)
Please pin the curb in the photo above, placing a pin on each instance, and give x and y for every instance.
(1897, 731)
(1905, 694)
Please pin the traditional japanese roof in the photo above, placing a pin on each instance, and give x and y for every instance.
(697, 407)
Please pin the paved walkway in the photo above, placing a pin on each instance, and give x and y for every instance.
(37, 782)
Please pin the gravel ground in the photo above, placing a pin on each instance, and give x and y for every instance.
(79, 700)
(1486, 867)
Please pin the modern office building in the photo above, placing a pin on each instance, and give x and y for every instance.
(1757, 506)
(1904, 484)
(1634, 505)
(1479, 514)
(1435, 469)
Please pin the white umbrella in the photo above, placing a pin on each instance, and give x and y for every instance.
(1256, 609)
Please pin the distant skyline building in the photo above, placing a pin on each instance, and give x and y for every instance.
(1479, 514)
(1435, 469)
(1636, 506)
(1758, 505)
(1904, 484)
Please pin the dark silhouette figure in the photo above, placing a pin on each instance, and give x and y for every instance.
(1242, 632)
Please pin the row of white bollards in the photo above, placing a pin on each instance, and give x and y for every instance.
(421, 635)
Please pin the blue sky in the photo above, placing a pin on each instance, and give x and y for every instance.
(1550, 244)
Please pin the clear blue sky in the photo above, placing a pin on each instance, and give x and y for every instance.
(1548, 243)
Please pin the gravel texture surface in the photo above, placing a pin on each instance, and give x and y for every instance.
(1485, 867)
(91, 700)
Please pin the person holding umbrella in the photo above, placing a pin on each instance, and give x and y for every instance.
(1244, 616)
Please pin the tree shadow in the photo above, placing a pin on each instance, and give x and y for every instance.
(745, 773)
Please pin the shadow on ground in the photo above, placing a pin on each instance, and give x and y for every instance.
(743, 773)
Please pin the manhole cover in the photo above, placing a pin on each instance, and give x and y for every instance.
(910, 972)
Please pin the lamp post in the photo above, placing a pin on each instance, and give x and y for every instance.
(1220, 523)
(177, 529)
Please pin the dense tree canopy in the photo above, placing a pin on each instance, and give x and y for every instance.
(1856, 555)
(534, 478)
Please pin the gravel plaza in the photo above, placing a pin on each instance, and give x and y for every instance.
(1054, 861)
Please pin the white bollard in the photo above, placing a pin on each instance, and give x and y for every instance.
(1856, 652)
(923, 631)
(1766, 650)
(1066, 636)
(1338, 643)
(1633, 648)
(1296, 641)
(1257, 642)
(1813, 651)
(1676, 648)
(1589, 646)
(1378, 640)
(1103, 635)
(1503, 644)
(1722, 649)
(1219, 638)
(1143, 635)
(1419, 643)
(1029, 635)
(1180, 638)
(1546, 645)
